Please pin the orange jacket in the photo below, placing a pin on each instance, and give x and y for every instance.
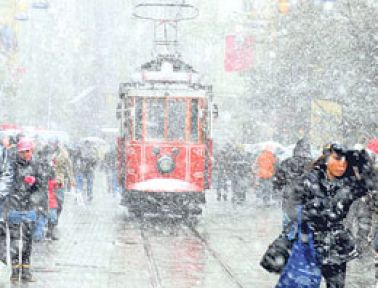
(265, 165)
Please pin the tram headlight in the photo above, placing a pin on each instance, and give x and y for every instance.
(175, 151)
(165, 164)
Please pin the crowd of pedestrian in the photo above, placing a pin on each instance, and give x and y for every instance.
(328, 207)
(33, 179)
(329, 203)
(331, 199)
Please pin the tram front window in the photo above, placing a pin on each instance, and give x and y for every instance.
(194, 120)
(155, 123)
(176, 124)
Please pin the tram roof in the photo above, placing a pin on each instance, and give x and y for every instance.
(166, 76)
(164, 90)
(177, 65)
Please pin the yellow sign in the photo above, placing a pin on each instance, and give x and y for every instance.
(326, 122)
(22, 10)
(283, 6)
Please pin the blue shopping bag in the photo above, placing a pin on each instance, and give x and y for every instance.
(303, 267)
(16, 217)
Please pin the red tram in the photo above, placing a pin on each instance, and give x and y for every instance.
(164, 145)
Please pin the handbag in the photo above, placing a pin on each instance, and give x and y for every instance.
(277, 254)
(303, 267)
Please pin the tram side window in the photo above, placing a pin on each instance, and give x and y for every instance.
(194, 119)
(138, 118)
(155, 123)
(176, 120)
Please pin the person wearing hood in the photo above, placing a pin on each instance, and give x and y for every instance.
(288, 176)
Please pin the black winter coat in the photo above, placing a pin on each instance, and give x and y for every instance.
(23, 196)
(286, 180)
(325, 206)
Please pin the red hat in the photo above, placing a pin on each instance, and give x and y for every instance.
(24, 144)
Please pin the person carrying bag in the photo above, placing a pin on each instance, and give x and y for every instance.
(27, 196)
(303, 268)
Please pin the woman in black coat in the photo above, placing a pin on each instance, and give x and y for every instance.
(328, 191)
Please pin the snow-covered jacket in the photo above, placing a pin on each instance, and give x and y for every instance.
(26, 195)
(326, 204)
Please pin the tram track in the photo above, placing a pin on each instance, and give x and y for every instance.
(229, 272)
(190, 230)
(152, 265)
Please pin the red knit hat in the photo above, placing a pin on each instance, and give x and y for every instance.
(24, 144)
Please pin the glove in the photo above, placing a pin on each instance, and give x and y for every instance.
(29, 180)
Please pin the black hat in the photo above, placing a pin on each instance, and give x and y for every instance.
(337, 148)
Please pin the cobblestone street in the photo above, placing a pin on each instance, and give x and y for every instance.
(102, 246)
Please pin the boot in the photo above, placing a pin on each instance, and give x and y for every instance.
(48, 235)
(26, 274)
(53, 233)
(15, 272)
